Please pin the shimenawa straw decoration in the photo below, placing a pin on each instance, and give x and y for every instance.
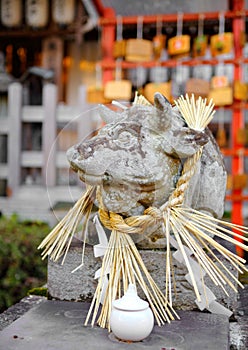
(122, 262)
(190, 227)
(58, 241)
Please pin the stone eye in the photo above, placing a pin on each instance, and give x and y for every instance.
(126, 139)
(124, 136)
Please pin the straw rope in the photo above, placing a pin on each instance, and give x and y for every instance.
(190, 165)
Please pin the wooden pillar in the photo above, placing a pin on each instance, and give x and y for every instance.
(49, 133)
(52, 58)
(238, 117)
(108, 38)
(14, 137)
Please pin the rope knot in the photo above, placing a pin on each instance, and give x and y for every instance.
(156, 213)
(116, 222)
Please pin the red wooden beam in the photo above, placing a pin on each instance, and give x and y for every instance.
(108, 39)
(239, 198)
(238, 120)
(111, 64)
(173, 17)
(234, 152)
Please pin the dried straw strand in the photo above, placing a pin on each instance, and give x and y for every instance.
(196, 113)
(203, 260)
(166, 229)
(59, 239)
(127, 267)
(223, 266)
(141, 100)
(205, 225)
(175, 226)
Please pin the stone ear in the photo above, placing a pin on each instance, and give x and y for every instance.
(161, 102)
(107, 115)
(164, 112)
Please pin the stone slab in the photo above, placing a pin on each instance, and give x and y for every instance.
(80, 285)
(54, 325)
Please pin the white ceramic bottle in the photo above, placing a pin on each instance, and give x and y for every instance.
(131, 317)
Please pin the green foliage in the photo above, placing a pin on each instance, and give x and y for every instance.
(21, 267)
(42, 291)
(244, 277)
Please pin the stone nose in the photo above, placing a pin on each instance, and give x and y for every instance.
(201, 138)
(89, 148)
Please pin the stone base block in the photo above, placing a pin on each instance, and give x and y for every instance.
(59, 325)
(80, 285)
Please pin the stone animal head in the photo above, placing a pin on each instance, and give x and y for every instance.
(135, 159)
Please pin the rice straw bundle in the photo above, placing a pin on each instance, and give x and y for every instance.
(141, 100)
(124, 264)
(190, 227)
(196, 113)
(58, 241)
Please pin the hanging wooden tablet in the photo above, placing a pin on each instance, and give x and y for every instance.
(198, 87)
(240, 90)
(119, 49)
(179, 44)
(221, 43)
(118, 89)
(221, 96)
(151, 88)
(221, 132)
(139, 50)
(95, 93)
(219, 81)
(201, 41)
(240, 180)
(200, 46)
(241, 136)
(229, 182)
(159, 40)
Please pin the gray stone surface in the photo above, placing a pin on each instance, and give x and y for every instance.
(17, 310)
(80, 285)
(59, 325)
(64, 285)
(239, 326)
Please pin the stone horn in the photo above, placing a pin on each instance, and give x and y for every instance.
(107, 115)
(164, 112)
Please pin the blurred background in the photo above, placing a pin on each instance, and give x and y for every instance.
(60, 58)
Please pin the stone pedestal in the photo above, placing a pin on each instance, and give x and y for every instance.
(80, 285)
(59, 325)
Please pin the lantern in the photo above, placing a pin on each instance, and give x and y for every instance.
(11, 13)
(37, 13)
(63, 11)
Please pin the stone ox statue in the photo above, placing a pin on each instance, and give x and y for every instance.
(137, 158)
